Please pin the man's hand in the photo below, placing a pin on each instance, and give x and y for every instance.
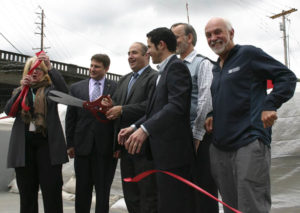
(71, 152)
(135, 141)
(268, 118)
(124, 134)
(114, 112)
(209, 124)
(107, 102)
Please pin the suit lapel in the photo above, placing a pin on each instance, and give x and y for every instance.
(152, 98)
(163, 74)
(85, 90)
(106, 89)
(125, 88)
(138, 82)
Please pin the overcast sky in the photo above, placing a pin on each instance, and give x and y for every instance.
(75, 30)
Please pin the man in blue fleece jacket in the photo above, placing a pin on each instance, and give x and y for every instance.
(242, 117)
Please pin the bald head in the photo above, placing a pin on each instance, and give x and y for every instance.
(220, 21)
(219, 34)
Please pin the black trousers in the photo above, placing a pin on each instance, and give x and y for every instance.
(203, 178)
(175, 196)
(38, 171)
(140, 197)
(93, 170)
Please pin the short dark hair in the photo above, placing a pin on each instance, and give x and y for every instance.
(187, 30)
(163, 34)
(102, 58)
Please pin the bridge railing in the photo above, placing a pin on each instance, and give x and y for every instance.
(63, 67)
(15, 57)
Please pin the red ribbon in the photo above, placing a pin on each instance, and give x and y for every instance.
(149, 172)
(269, 84)
(14, 109)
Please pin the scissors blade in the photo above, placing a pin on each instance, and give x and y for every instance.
(63, 98)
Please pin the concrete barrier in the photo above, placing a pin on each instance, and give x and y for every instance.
(6, 175)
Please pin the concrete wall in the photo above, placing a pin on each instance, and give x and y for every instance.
(6, 175)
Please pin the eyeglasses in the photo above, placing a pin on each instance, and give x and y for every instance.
(38, 69)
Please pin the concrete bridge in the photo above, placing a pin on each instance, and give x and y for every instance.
(11, 69)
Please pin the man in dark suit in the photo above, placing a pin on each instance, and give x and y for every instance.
(165, 128)
(130, 99)
(91, 141)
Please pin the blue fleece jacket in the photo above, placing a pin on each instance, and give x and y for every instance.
(239, 96)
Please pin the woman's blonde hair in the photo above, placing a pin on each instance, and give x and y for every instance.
(30, 61)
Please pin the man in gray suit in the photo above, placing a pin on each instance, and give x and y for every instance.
(91, 141)
(130, 101)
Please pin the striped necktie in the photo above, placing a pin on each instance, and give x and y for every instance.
(96, 91)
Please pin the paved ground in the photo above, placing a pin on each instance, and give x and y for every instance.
(9, 202)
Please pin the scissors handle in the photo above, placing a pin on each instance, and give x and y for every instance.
(97, 106)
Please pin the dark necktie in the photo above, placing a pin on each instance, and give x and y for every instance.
(131, 82)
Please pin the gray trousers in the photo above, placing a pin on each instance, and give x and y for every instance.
(243, 177)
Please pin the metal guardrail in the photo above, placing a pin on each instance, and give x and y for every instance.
(63, 67)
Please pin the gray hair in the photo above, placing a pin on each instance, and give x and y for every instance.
(188, 29)
(228, 25)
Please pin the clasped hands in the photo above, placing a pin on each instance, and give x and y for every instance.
(114, 111)
(132, 140)
(128, 137)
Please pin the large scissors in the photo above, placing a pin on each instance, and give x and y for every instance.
(94, 107)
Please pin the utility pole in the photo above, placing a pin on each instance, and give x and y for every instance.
(283, 28)
(41, 27)
(42, 30)
(187, 12)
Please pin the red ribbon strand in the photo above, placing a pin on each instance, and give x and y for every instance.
(269, 84)
(149, 172)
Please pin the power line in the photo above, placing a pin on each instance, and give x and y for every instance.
(55, 40)
(279, 5)
(256, 12)
(86, 37)
(10, 43)
(54, 53)
(16, 26)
